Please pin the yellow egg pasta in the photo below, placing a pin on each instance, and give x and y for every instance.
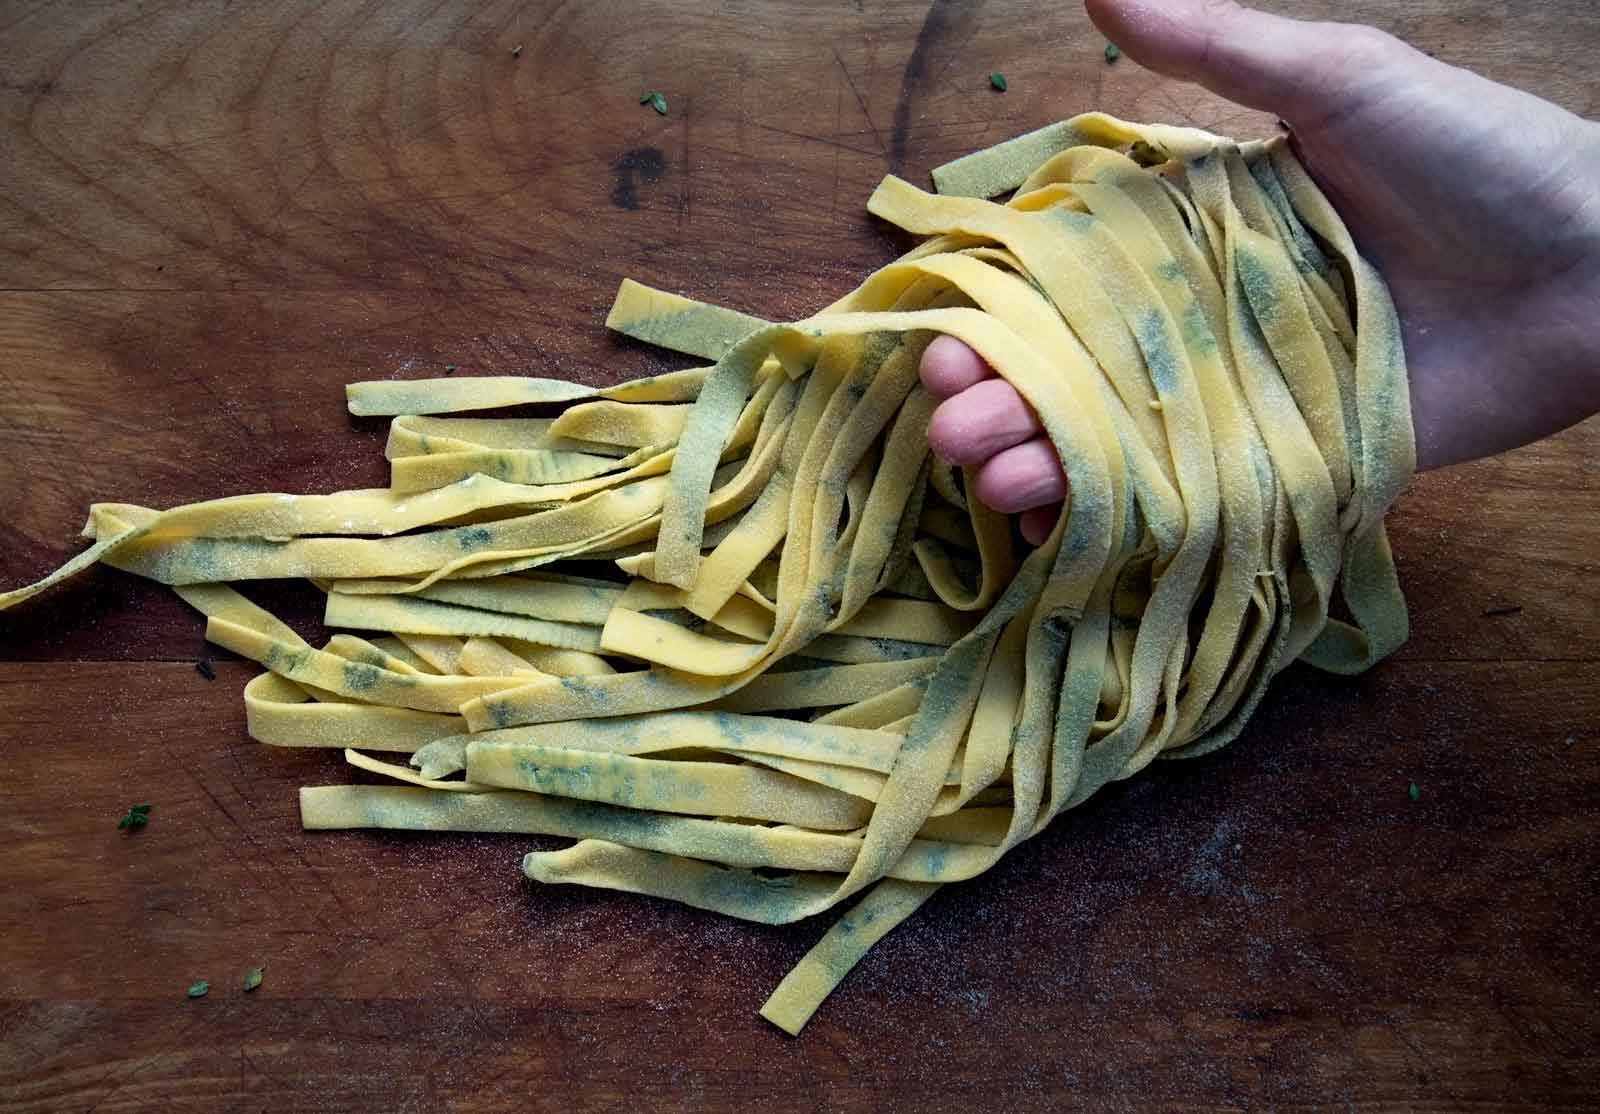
(820, 672)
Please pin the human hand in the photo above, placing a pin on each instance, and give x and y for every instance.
(1479, 204)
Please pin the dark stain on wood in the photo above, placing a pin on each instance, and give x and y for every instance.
(640, 165)
(945, 29)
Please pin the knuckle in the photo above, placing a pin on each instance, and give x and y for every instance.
(1367, 46)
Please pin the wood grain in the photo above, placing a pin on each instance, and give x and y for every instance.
(213, 215)
(1278, 925)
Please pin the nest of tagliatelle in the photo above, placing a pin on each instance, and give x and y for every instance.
(822, 675)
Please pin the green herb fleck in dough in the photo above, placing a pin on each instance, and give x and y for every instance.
(656, 100)
(474, 538)
(1147, 154)
(361, 677)
(252, 979)
(199, 989)
(998, 80)
(1113, 52)
(135, 818)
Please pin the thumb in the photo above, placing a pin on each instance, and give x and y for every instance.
(1305, 72)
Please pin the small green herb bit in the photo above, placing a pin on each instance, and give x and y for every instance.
(252, 979)
(656, 100)
(199, 988)
(1413, 792)
(1147, 154)
(998, 80)
(1113, 52)
(135, 818)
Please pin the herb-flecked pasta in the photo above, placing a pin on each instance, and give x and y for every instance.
(821, 672)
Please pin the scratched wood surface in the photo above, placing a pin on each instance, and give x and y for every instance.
(212, 215)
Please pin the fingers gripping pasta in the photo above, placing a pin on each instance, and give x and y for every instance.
(822, 672)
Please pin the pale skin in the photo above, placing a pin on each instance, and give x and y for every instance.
(1479, 204)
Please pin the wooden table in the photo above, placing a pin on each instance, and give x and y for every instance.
(213, 215)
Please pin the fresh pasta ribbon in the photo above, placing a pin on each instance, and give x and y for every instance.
(820, 672)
